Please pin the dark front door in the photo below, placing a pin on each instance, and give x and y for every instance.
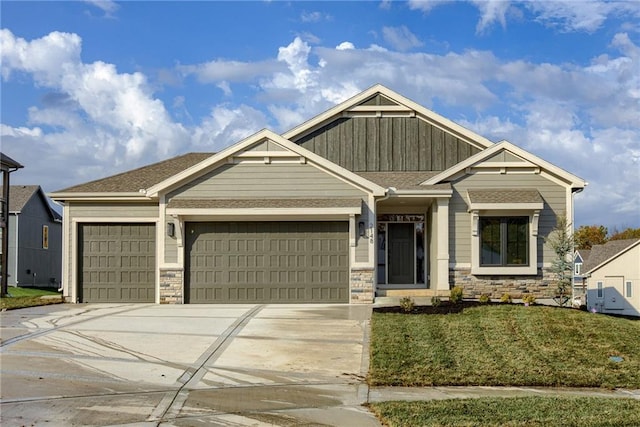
(401, 253)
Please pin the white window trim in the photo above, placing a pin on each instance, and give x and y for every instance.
(530, 269)
(628, 289)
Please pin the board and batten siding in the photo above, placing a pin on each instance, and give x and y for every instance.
(379, 144)
(266, 181)
(554, 197)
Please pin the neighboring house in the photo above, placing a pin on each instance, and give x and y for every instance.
(613, 277)
(580, 256)
(35, 239)
(376, 195)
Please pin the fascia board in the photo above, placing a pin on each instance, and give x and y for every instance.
(567, 177)
(278, 212)
(431, 116)
(61, 197)
(420, 193)
(627, 249)
(505, 206)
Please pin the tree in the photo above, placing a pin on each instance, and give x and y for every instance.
(629, 233)
(587, 236)
(561, 241)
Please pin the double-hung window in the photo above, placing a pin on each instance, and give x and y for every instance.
(504, 241)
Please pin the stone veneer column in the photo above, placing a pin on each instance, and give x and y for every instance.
(361, 285)
(171, 286)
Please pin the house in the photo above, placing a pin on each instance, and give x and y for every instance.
(376, 195)
(613, 277)
(35, 239)
(580, 256)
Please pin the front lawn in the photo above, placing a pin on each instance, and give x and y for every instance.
(505, 345)
(29, 297)
(517, 411)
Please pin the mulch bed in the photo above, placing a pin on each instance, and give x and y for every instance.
(445, 307)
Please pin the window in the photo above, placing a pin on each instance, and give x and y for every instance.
(600, 290)
(628, 290)
(504, 241)
(45, 237)
(578, 268)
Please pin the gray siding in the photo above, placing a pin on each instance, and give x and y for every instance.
(36, 266)
(259, 180)
(553, 194)
(115, 210)
(364, 144)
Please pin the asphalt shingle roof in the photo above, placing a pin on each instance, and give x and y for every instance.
(403, 180)
(141, 178)
(505, 195)
(602, 253)
(19, 195)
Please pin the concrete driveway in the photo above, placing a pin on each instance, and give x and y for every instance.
(185, 365)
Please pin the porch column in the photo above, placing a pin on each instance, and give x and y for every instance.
(442, 245)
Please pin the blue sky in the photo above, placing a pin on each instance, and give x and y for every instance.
(90, 89)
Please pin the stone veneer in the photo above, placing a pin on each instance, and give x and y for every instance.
(541, 286)
(361, 284)
(171, 286)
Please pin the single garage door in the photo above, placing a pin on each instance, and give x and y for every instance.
(116, 262)
(275, 262)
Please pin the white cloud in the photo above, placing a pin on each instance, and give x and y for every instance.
(491, 11)
(400, 38)
(314, 17)
(345, 46)
(229, 71)
(109, 7)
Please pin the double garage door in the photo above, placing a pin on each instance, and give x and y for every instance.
(271, 262)
(241, 262)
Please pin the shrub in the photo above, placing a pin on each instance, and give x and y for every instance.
(529, 299)
(407, 304)
(484, 299)
(506, 298)
(456, 294)
(436, 301)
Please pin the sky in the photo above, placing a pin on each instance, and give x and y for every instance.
(94, 88)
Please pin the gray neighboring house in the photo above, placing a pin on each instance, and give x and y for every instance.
(35, 239)
(377, 196)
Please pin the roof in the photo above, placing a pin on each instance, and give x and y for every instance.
(403, 180)
(505, 195)
(574, 181)
(583, 254)
(141, 178)
(262, 203)
(19, 195)
(7, 161)
(601, 254)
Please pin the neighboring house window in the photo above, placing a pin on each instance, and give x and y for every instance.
(578, 268)
(629, 291)
(45, 237)
(504, 241)
(600, 291)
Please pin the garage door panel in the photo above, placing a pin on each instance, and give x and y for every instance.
(116, 262)
(267, 262)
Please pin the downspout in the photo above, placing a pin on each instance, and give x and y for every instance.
(15, 252)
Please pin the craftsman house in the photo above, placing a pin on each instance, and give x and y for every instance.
(376, 195)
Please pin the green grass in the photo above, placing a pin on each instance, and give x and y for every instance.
(28, 297)
(505, 345)
(517, 411)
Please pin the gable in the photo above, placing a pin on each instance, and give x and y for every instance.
(379, 130)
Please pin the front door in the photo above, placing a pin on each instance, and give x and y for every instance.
(400, 253)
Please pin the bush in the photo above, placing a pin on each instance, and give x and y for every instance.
(484, 299)
(436, 301)
(407, 304)
(506, 298)
(529, 299)
(456, 294)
